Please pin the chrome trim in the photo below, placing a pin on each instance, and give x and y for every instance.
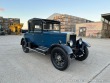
(36, 51)
(41, 49)
(68, 36)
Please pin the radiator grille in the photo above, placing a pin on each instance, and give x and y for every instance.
(73, 38)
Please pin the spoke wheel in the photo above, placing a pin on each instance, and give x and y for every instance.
(59, 58)
(84, 56)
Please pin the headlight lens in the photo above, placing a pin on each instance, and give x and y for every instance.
(80, 41)
(71, 43)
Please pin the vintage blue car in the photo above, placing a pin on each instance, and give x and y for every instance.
(44, 37)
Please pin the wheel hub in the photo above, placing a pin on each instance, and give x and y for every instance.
(59, 58)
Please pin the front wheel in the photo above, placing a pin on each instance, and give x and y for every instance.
(84, 56)
(59, 58)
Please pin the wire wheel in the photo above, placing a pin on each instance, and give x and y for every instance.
(59, 58)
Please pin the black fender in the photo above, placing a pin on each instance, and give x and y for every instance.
(81, 47)
(83, 43)
(66, 48)
(22, 41)
(86, 44)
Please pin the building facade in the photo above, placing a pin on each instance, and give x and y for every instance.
(1, 22)
(95, 29)
(6, 22)
(68, 22)
(106, 25)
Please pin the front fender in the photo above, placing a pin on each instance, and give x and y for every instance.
(66, 48)
(86, 44)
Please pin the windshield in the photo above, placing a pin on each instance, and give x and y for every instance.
(51, 27)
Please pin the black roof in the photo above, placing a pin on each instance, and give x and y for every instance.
(106, 16)
(45, 20)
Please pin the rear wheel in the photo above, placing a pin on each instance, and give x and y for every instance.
(24, 46)
(84, 56)
(59, 58)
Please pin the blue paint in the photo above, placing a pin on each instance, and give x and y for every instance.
(46, 38)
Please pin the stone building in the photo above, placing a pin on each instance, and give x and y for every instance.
(89, 29)
(6, 22)
(68, 22)
(1, 22)
(106, 25)
(95, 29)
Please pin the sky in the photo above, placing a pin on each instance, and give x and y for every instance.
(27, 9)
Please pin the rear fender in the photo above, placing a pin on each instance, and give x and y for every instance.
(22, 40)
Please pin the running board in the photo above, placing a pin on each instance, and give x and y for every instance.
(39, 50)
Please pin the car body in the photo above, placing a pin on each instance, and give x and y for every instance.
(44, 36)
(2, 31)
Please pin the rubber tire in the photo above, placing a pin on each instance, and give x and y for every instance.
(26, 50)
(84, 55)
(67, 63)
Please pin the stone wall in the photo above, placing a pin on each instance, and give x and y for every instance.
(91, 29)
(106, 30)
(68, 22)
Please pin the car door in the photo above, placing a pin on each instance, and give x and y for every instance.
(35, 32)
(38, 35)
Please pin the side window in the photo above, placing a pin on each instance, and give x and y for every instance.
(47, 26)
(37, 28)
(56, 27)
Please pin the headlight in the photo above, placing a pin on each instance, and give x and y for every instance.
(80, 41)
(70, 43)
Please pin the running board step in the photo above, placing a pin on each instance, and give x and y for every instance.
(40, 50)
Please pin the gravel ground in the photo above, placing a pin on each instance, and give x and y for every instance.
(19, 67)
